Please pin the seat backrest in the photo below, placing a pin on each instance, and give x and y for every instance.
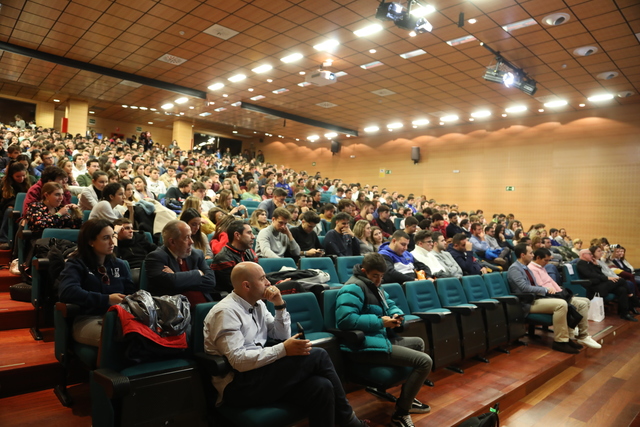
(505, 279)
(421, 296)
(61, 233)
(250, 211)
(450, 292)
(495, 285)
(329, 303)
(197, 325)
(74, 200)
(304, 308)
(19, 202)
(397, 295)
(85, 216)
(143, 282)
(148, 236)
(111, 348)
(321, 239)
(249, 203)
(396, 222)
(269, 265)
(321, 263)
(474, 288)
(345, 266)
(577, 290)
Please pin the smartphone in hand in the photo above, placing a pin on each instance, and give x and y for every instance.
(300, 331)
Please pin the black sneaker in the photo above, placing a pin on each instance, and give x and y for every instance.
(401, 421)
(564, 347)
(418, 407)
(576, 345)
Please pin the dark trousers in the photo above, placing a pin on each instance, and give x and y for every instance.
(309, 382)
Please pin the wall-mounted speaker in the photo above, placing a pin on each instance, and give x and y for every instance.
(335, 147)
(415, 154)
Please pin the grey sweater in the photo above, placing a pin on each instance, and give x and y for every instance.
(273, 244)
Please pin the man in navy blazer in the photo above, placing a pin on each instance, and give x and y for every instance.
(177, 268)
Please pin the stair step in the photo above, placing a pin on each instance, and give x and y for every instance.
(15, 314)
(5, 257)
(7, 279)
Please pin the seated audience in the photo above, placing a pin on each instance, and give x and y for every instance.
(131, 246)
(219, 238)
(377, 237)
(200, 192)
(341, 241)
(177, 268)
(84, 180)
(424, 253)
(462, 253)
(155, 185)
(401, 265)
(481, 246)
(237, 250)
(92, 194)
(238, 328)
(252, 193)
(294, 210)
(384, 222)
(112, 197)
(276, 240)
(362, 231)
(410, 227)
(140, 189)
(492, 241)
(193, 219)
(258, 221)
(362, 304)
(277, 201)
(225, 202)
(454, 228)
(438, 224)
(181, 192)
(94, 280)
(306, 237)
(50, 212)
(15, 181)
(194, 202)
(49, 174)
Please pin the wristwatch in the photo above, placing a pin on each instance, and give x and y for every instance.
(280, 307)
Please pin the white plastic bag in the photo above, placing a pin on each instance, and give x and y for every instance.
(596, 309)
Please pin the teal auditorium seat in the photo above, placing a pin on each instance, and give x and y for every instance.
(532, 319)
(85, 216)
(16, 214)
(276, 415)
(74, 200)
(249, 203)
(396, 222)
(269, 265)
(442, 327)
(344, 266)
(321, 263)
(42, 293)
(161, 392)
(497, 289)
(376, 378)
(495, 320)
(470, 323)
(572, 281)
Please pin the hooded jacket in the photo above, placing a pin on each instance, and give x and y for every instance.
(401, 268)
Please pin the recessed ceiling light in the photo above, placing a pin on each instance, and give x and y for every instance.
(607, 75)
(150, 123)
(516, 109)
(451, 118)
(126, 106)
(471, 119)
(479, 114)
(423, 10)
(302, 73)
(133, 107)
(555, 104)
(585, 51)
(281, 90)
(250, 89)
(624, 94)
(56, 100)
(472, 21)
(153, 109)
(216, 86)
(330, 135)
(461, 40)
(219, 109)
(291, 58)
(599, 98)
(166, 106)
(368, 30)
(224, 95)
(412, 34)
(372, 51)
(327, 45)
(191, 107)
(441, 123)
(371, 65)
(313, 137)
(581, 105)
(144, 108)
(182, 114)
(394, 125)
(420, 122)
(304, 84)
(262, 69)
(237, 78)
(540, 110)
(181, 100)
(235, 131)
(269, 81)
(92, 112)
(504, 115)
(520, 24)
(371, 129)
(236, 104)
(413, 53)
(556, 19)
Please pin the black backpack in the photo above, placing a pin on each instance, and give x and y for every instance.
(488, 419)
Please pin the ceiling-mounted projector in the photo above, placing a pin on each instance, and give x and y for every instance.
(321, 78)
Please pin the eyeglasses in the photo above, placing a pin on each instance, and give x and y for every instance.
(103, 272)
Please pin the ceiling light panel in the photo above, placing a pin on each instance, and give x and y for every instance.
(422, 10)
(291, 58)
(413, 53)
(461, 40)
(371, 65)
(258, 98)
(520, 24)
(600, 98)
(326, 45)
(216, 86)
(281, 90)
(368, 30)
(262, 69)
(237, 78)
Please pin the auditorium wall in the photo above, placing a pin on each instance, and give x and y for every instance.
(579, 170)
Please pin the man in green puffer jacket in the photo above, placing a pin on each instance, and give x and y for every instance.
(362, 305)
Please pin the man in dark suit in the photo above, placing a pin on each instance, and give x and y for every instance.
(176, 268)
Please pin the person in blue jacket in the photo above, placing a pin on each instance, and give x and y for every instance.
(363, 305)
(94, 279)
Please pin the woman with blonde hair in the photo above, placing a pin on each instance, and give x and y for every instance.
(193, 202)
(258, 220)
(225, 198)
(362, 231)
(194, 220)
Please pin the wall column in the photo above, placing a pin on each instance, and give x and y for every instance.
(183, 133)
(77, 112)
(44, 114)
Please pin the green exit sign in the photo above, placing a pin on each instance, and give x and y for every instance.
(510, 188)
(388, 171)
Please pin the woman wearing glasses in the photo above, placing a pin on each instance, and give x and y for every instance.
(94, 279)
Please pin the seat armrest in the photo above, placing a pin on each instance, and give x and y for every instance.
(27, 234)
(41, 264)
(491, 305)
(15, 215)
(432, 317)
(115, 384)
(216, 366)
(465, 311)
(509, 299)
(351, 337)
(581, 282)
(68, 310)
(526, 297)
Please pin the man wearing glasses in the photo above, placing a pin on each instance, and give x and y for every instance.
(47, 160)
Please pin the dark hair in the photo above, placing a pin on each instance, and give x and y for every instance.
(383, 208)
(422, 235)
(51, 173)
(97, 174)
(452, 214)
(437, 217)
(8, 182)
(328, 207)
(374, 262)
(89, 232)
(399, 234)
(110, 190)
(236, 226)
(279, 192)
(520, 249)
(464, 222)
(341, 216)
(553, 230)
(409, 221)
(311, 217)
(281, 213)
(541, 253)
(185, 182)
(593, 249)
(436, 235)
